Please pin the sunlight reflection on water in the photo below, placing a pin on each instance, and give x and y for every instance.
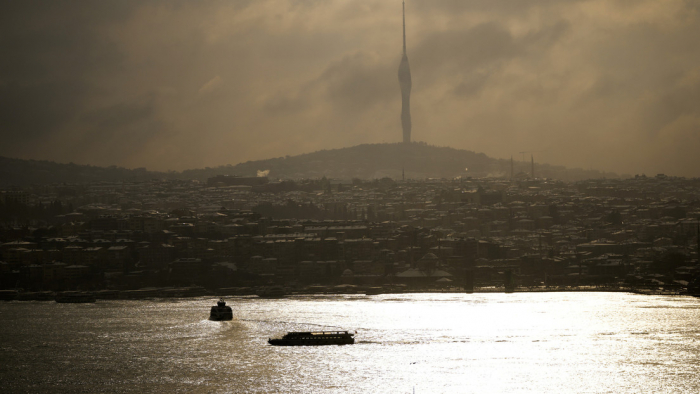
(437, 343)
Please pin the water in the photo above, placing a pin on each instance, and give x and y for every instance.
(435, 343)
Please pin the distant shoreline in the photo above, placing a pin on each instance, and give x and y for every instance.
(169, 293)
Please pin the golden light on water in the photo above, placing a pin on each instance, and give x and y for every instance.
(437, 343)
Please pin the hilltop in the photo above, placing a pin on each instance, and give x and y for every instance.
(417, 160)
(368, 161)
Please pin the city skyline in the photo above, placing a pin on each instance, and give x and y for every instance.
(600, 85)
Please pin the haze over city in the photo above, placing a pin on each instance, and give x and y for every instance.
(610, 85)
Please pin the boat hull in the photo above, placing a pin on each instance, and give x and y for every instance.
(314, 339)
(309, 342)
(221, 313)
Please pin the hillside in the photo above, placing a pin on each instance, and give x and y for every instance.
(368, 161)
(40, 172)
(371, 161)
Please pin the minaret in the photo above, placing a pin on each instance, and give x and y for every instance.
(405, 83)
(511, 167)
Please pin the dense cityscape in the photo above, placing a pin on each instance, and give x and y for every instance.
(238, 235)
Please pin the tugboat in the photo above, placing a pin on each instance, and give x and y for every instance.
(221, 312)
(314, 338)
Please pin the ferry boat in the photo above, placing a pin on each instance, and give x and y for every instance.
(314, 338)
(221, 312)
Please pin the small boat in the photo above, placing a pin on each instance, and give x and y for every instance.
(220, 311)
(374, 291)
(314, 338)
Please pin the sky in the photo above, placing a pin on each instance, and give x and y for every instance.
(611, 85)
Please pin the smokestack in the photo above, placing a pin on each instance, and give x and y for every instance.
(532, 161)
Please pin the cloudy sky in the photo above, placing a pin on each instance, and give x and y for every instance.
(604, 84)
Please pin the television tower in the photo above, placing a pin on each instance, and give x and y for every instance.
(405, 83)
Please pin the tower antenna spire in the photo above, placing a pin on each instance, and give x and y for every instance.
(405, 84)
(403, 7)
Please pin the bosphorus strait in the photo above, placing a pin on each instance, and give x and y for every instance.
(429, 342)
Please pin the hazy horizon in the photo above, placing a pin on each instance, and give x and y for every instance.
(607, 85)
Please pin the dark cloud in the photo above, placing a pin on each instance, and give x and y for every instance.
(358, 81)
(120, 115)
(118, 132)
(670, 106)
(29, 111)
(283, 104)
(462, 51)
(472, 86)
(477, 51)
(51, 51)
(544, 37)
